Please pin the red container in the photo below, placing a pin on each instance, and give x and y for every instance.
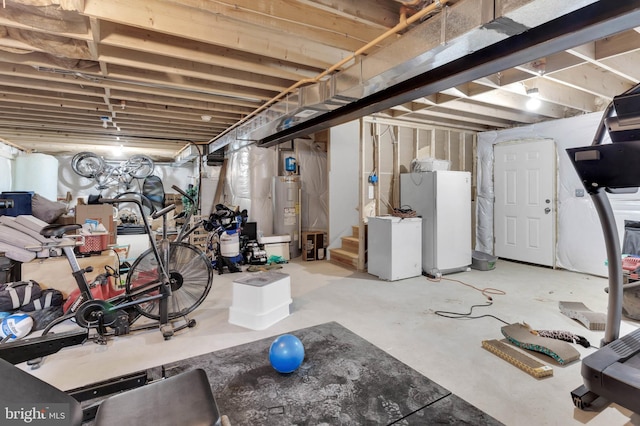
(94, 243)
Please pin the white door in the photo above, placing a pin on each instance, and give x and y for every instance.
(525, 207)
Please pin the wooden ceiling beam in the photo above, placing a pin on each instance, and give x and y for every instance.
(616, 63)
(50, 118)
(384, 14)
(550, 64)
(625, 65)
(61, 104)
(511, 98)
(53, 78)
(618, 44)
(213, 73)
(179, 20)
(593, 80)
(207, 108)
(469, 117)
(6, 22)
(159, 114)
(47, 85)
(489, 110)
(442, 121)
(167, 111)
(138, 39)
(294, 19)
(178, 82)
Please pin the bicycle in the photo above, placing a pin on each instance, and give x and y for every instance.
(90, 165)
(165, 284)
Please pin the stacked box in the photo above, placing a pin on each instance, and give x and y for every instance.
(103, 213)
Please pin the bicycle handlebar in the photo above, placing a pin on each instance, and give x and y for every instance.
(164, 211)
(184, 194)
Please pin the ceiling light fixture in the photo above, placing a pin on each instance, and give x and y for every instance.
(205, 117)
(534, 101)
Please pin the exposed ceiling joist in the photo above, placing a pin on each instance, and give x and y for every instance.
(64, 64)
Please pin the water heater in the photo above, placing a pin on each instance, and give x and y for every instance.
(286, 210)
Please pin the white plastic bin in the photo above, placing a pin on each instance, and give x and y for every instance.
(260, 300)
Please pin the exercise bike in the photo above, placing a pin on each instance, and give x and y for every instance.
(164, 284)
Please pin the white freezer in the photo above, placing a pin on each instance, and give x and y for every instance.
(443, 200)
(394, 247)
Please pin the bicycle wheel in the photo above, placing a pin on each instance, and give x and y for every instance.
(191, 278)
(140, 166)
(131, 209)
(87, 164)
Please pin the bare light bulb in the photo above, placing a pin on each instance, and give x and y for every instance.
(534, 101)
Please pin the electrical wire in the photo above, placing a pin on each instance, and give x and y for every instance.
(467, 315)
(486, 292)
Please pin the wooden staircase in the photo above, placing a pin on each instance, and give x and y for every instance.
(348, 254)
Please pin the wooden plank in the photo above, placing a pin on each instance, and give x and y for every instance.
(519, 359)
(362, 200)
(217, 198)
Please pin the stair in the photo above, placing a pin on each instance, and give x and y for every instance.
(347, 255)
(344, 258)
(352, 244)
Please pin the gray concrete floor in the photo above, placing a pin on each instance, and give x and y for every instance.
(399, 318)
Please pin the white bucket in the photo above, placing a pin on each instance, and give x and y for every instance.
(230, 244)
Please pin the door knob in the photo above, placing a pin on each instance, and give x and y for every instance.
(547, 210)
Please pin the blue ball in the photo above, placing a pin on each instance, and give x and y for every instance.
(286, 353)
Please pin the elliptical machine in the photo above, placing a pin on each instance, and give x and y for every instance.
(613, 371)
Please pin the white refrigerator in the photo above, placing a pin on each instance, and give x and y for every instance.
(443, 200)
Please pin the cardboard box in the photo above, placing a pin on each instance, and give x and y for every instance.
(103, 213)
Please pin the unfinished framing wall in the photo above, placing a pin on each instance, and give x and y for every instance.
(388, 148)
